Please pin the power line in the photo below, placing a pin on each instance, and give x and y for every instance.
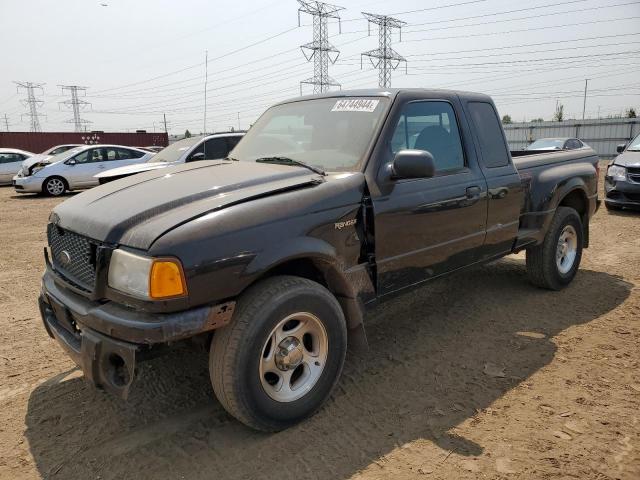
(320, 50)
(32, 103)
(76, 104)
(386, 58)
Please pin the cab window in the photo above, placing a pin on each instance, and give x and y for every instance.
(430, 126)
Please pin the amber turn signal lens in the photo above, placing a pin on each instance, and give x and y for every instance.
(166, 280)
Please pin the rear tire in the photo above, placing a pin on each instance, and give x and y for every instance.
(54, 186)
(555, 262)
(279, 359)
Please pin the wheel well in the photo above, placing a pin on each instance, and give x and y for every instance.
(312, 269)
(577, 200)
(328, 276)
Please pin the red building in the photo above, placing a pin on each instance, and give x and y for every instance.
(37, 142)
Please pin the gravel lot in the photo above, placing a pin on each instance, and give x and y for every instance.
(476, 376)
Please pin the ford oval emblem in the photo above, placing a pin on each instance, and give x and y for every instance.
(64, 258)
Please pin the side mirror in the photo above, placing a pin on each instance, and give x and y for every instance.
(70, 162)
(620, 148)
(196, 156)
(413, 164)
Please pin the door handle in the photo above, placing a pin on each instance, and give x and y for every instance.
(473, 192)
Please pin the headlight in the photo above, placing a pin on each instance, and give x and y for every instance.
(145, 277)
(617, 172)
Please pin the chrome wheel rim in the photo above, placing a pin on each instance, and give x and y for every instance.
(293, 357)
(55, 186)
(567, 249)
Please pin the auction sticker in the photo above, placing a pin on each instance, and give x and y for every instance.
(355, 105)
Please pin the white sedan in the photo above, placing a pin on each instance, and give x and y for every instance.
(191, 149)
(75, 168)
(46, 156)
(11, 162)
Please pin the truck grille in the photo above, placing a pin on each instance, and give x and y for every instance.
(634, 174)
(73, 257)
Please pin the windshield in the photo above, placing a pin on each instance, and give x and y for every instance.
(634, 146)
(174, 151)
(546, 143)
(64, 155)
(329, 133)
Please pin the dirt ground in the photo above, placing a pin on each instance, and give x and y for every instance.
(479, 375)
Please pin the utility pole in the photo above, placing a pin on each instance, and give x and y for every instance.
(6, 121)
(320, 50)
(584, 104)
(384, 58)
(238, 121)
(75, 104)
(206, 78)
(32, 102)
(164, 116)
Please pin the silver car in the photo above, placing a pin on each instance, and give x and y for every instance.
(11, 162)
(192, 149)
(45, 157)
(75, 169)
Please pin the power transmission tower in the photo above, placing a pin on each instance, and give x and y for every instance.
(76, 104)
(384, 58)
(6, 121)
(32, 102)
(320, 50)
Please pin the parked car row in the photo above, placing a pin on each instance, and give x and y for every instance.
(74, 167)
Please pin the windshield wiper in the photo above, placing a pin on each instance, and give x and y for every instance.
(290, 161)
(231, 158)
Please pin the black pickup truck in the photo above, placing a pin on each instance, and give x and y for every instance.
(271, 257)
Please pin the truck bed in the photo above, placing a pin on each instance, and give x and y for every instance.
(523, 159)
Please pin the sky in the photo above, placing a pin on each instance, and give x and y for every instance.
(143, 59)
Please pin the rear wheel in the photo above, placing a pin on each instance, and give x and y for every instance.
(555, 262)
(54, 186)
(281, 356)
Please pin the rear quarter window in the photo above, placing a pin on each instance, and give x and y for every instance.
(492, 144)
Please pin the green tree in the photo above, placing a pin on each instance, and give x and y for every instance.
(630, 113)
(559, 115)
(538, 120)
(187, 134)
(507, 119)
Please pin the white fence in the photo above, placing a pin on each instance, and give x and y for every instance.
(602, 135)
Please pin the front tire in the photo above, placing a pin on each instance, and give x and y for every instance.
(555, 262)
(54, 186)
(279, 359)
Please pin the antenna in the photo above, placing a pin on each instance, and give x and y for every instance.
(76, 104)
(384, 58)
(32, 102)
(320, 50)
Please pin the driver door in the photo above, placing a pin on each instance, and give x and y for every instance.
(88, 163)
(425, 227)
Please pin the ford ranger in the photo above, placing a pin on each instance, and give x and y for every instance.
(271, 257)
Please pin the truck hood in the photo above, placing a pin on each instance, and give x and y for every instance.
(136, 210)
(628, 159)
(133, 169)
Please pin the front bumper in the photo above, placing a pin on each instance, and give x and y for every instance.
(622, 193)
(27, 184)
(106, 339)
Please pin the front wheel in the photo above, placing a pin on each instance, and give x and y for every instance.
(279, 359)
(555, 262)
(54, 186)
